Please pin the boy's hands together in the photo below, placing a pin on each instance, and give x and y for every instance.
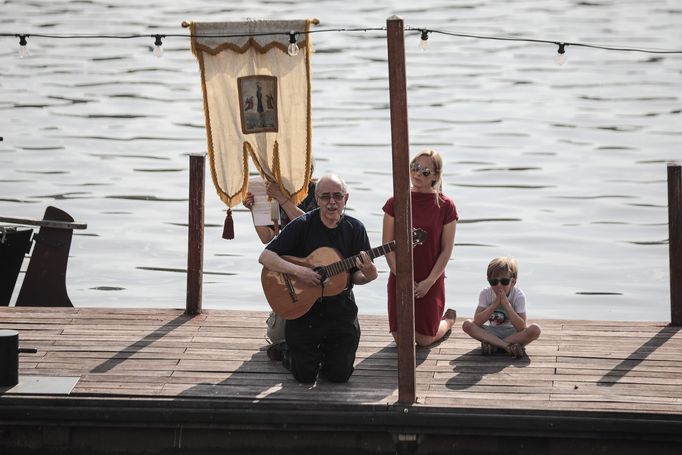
(501, 299)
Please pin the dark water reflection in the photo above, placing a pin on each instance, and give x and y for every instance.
(561, 167)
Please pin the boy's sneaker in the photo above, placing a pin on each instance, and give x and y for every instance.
(517, 351)
(486, 348)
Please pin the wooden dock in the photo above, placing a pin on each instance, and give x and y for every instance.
(157, 381)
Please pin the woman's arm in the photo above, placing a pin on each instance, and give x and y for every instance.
(287, 205)
(447, 244)
(387, 236)
(291, 209)
(265, 233)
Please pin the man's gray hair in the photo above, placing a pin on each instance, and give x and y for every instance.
(334, 178)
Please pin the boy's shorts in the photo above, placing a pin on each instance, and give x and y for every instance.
(500, 331)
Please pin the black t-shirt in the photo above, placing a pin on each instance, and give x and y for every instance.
(307, 233)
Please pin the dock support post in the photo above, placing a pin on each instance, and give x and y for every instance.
(195, 226)
(403, 210)
(675, 241)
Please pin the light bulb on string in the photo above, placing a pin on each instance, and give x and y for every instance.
(293, 47)
(423, 42)
(560, 58)
(23, 50)
(158, 49)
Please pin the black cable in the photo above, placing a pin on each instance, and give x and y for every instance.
(338, 30)
(544, 41)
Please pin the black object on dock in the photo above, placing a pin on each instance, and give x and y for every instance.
(15, 243)
(9, 357)
(45, 280)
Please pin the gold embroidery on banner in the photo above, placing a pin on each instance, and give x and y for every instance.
(251, 43)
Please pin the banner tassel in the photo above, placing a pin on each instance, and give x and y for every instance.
(228, 228)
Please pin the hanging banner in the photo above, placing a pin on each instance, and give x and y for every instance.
(256, 103)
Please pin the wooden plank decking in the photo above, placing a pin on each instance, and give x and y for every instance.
(609, 371)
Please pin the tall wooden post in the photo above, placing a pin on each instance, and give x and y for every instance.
(675, 241)
(403, 210)
(195, 226)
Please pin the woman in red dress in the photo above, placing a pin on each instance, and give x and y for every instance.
(435, 213)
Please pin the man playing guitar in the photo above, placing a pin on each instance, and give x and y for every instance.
(324, 339)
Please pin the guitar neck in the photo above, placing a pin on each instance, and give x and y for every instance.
(349, 263)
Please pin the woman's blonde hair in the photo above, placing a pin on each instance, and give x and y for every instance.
(437, 170)
(503, 265)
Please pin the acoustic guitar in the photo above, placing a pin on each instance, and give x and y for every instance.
(291, 299)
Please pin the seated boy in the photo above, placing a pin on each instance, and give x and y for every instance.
(503, 306)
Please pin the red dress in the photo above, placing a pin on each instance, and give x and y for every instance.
(430, 217)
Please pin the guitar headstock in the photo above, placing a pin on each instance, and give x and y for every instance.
(418, 236)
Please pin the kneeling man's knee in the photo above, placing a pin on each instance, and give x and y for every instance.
(338, 374)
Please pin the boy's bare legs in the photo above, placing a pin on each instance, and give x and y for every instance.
(530, 333)
(480, 334)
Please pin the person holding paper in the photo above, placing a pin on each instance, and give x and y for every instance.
(287, 209)
(266, 230)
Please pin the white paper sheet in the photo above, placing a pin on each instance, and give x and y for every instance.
(263, 210)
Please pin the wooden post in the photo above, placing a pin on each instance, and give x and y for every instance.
(403, 210)
(675, 241)
(195, 226)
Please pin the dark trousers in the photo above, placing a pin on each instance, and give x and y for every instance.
(323, 341)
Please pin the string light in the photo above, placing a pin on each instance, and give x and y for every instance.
(23, 50)
(560, 58)
(293, 47)
(423, 42)
(158, 49)
(561, 45)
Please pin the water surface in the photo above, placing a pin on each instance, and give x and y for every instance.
(562, 167)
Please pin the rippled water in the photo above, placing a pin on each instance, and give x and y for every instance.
(562, 167)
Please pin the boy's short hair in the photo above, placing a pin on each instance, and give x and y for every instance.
(503, 264)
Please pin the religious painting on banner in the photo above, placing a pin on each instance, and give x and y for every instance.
(256, 104)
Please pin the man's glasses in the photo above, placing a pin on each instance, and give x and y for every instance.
(415, 167)
(326, 197)
(502, 281)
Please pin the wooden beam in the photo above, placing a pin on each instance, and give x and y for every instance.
(403, 210)
(675, 241)
(43, 223)
(195, 225)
